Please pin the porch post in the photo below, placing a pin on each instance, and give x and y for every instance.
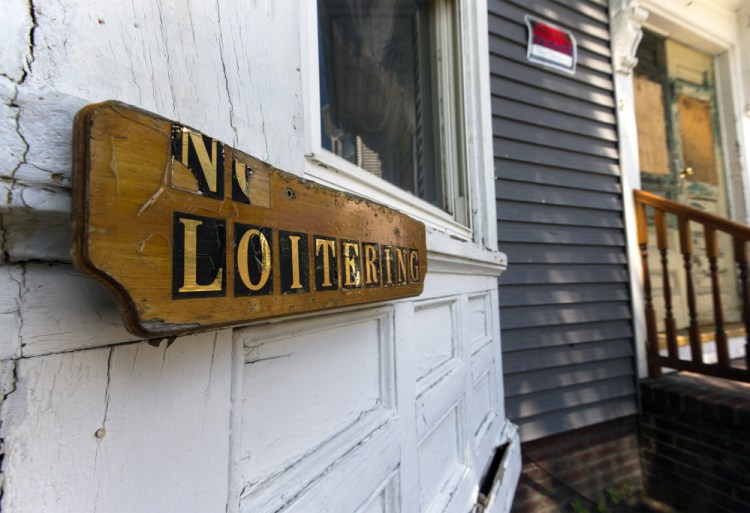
(627, 18)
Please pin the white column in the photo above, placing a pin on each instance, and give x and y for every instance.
(627, 18)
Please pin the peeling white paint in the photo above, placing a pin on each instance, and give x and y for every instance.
(45, 425)
(16, 25)
(12, 284)
(46, 122)
(164, 416)
(62, 310)
(172, 60)
(15, 147)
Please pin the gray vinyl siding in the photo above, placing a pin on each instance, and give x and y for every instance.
(564, 301)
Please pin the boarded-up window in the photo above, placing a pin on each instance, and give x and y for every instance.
(697, 138)
(652, 131)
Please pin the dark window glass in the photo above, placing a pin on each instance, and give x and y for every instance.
(377, 91)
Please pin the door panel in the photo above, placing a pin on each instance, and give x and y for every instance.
(696, 138)
(679, 152)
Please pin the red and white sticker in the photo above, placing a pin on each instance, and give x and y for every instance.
(551, 46)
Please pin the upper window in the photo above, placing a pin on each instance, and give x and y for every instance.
(389, 93)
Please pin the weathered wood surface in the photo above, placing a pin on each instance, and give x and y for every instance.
(119, 429)
(190, 233)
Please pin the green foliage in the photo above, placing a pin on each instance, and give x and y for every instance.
(616, 496)
(579, 506)
(615, 499)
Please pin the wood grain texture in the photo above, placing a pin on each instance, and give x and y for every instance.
(651, 124)
(137, 202)
(697, 138)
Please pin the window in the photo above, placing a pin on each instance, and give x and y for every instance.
(389, 94)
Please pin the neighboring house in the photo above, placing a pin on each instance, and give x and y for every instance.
(567, 151)
(396, 406)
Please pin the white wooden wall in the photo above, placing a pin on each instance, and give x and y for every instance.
(391, 408)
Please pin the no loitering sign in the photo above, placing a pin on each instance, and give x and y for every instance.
(191, 234)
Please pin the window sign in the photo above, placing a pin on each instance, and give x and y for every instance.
(551, 46)
(190, 233)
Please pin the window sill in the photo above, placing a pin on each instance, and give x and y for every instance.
(450, 246)
(337, 173)
(446, 254)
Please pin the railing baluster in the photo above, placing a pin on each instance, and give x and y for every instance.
(686, 247)
(652, 340)
(712, 252)
(740, 256)
(688, 216)
(662, 243)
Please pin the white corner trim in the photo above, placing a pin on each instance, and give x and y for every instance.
(629, 170)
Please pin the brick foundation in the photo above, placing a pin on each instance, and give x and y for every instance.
(561, 468)
(695, 443)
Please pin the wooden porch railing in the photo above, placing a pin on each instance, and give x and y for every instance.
(712, 225)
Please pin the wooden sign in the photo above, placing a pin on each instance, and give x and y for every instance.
(191, 234)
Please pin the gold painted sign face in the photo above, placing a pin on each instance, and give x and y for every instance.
(192, 234)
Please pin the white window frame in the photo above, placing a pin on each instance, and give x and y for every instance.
(472, 141)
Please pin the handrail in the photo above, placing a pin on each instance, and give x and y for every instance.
(693, 214)
(712, 225)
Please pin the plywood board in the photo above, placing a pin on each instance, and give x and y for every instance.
(697, 137)
(190, 233)
(651, 124)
